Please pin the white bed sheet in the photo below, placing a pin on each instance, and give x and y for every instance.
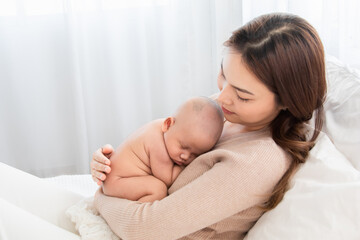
(81, 184)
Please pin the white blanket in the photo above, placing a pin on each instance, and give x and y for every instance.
(88, 222)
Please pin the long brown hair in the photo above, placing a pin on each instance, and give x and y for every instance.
(285, 52)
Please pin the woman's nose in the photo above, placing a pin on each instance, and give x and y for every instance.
(224, 96)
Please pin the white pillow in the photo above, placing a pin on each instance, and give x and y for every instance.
(342, 109)
(323, 202)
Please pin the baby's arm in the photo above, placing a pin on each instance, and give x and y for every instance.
(176, 171)
(162, 166)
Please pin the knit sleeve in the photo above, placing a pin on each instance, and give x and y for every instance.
(234, 183)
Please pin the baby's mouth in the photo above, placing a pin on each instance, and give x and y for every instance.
(178, 162)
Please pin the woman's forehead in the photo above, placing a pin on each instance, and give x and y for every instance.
(239, 76)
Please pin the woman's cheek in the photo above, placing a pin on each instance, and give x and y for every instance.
(246, 111)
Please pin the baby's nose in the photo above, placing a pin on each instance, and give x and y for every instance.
(184, 156)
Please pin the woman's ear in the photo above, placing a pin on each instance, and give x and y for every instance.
(168, 122)
(282, 107)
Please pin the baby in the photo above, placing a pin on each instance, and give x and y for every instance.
(148, 162)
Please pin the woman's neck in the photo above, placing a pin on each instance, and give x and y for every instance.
(231, 129)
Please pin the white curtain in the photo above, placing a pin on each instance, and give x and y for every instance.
(337, 22)
(76, 74)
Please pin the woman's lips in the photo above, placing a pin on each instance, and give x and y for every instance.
(226, 111)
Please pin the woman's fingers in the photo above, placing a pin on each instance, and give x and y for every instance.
(98, 177)
(99, 157)
(107, 149)
(100, 163)
(100, 167)
(98, 181)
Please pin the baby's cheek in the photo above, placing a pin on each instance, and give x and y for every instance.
(174, 153)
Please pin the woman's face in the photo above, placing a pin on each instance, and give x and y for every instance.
(244, 98)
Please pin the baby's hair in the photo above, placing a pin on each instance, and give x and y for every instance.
(215, 116)
(205, 109)
(199, 105)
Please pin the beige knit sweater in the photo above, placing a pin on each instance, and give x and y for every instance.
(215, 197)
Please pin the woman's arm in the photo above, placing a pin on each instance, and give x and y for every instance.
(234, 183)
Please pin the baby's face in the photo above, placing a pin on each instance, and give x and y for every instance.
(185, 144)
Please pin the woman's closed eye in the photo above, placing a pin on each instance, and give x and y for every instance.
(243, 99)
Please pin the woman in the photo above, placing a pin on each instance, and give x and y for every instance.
(272, 80)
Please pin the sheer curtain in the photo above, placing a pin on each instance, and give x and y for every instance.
(76, 74)
(335, 20)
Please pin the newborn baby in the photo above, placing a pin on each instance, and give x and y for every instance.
(148, 162)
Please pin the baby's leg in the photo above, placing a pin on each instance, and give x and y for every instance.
(141, 188)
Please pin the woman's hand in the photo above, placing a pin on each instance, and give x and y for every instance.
(100, 163)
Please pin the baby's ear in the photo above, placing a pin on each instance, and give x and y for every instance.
(168, 122)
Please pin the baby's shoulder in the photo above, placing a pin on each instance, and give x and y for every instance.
(147, 131)
(153, 136)
(152, 131)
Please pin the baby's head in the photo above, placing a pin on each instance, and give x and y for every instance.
(194, 129)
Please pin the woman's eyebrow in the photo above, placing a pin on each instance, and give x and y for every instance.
(242, 90)
(239, 89)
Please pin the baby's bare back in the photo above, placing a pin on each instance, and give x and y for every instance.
(132, 176)
(132, 158)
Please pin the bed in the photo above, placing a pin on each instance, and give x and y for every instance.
(322, 203)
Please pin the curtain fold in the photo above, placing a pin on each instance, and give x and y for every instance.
(77, 74)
